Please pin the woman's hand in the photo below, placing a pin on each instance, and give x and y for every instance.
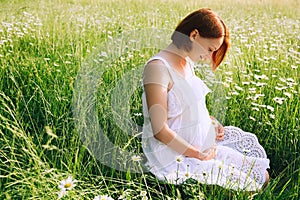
(194, 152)
(208, 154)
(219, 129)
(220, 132)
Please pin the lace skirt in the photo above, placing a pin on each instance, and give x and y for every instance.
(240, 164)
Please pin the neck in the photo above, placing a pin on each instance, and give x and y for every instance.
(178, 55)
(172, 48)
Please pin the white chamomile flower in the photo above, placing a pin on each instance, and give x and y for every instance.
(67, 184)
(290, 80)
(260, 84)
(263, 77)
(294, 67)
(179, 159)
(294, 91)
(287, 94)
(136, 158)
(279, 100)
(143, 193)
(144, 198)
(238, 88)
(281, 88)
(220, 165)
(252, 89)
(103, 197)
(270, 108)
(137, 114)
(272, 116)
(282, 79)
(187, 175)
(234, 93)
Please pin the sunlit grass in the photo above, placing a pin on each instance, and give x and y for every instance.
(43, 46)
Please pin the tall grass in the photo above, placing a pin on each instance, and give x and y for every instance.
(44, 45)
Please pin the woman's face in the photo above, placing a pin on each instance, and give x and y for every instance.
(203, 48)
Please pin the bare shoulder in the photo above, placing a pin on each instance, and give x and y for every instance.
(156, 65)
(155, 62)
(156, 71)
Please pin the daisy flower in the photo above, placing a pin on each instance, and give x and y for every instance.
(179, 159)
(136, 158)
(67, 184)
(103, 197)
(187, 175)
(238, 88)
(270, 108)
(279, 100)
(143, 193)
(137, 114)
(287, 94)
(294, 67)
(246, 83)
(220, 165)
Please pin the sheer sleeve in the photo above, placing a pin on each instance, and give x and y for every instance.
(156, 74)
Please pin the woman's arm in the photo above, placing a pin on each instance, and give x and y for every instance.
(156, 96)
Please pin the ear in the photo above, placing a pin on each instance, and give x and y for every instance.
(193, 34)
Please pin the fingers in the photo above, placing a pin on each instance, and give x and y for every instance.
(220, 136)
(220, 132)
(209, 153)
(220, 129)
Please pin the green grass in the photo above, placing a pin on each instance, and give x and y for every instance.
(48, 69)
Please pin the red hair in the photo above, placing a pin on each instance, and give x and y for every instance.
(209, 25)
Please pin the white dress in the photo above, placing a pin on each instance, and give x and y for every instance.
(240, 162)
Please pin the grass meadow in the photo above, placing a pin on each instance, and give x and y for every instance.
(71, 68)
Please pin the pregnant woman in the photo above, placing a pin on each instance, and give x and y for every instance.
(180, 139)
